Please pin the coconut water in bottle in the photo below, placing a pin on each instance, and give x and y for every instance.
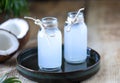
(75, 38)
(50, 45)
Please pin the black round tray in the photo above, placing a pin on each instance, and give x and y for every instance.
(27, 66)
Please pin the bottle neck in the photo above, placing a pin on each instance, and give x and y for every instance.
(71, 16)
(50, 22)
(51, 25)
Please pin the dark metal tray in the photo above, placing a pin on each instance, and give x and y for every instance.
(28, 67)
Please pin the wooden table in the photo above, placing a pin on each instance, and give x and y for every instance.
(103, 21)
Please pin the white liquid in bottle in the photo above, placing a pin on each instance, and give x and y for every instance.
(75, 40)
(50, 46)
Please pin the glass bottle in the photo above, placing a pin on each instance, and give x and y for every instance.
(75, 39)
(50, 45)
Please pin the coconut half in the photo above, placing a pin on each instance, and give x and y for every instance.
(20, 29)
(9, 44)
(17, 26)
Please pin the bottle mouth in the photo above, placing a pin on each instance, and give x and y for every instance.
(73, 14)
(49, 21)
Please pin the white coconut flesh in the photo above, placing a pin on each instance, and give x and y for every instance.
(8, 43)
(17, 26)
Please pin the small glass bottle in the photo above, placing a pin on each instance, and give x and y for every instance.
(75, 39)
(50, 45)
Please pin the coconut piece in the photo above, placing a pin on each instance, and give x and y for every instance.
(19, 27)
(9, 44)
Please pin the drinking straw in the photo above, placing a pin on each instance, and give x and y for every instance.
(71, 22)
(38, 22)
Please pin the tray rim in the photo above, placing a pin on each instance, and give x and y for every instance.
(26, 50)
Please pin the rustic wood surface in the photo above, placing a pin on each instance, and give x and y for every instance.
(103, 21)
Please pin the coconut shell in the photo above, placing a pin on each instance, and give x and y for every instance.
(22, 42)
(4, 58)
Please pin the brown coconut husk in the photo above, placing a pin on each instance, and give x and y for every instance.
(4, 58)
(23, 41)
